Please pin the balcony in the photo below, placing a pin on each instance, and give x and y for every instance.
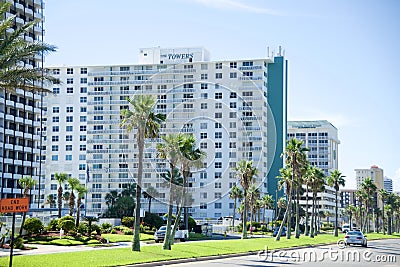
(256, 67)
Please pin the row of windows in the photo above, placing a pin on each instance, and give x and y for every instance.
(69, 119)
(69, 109)
(69, 128)
(55, 148)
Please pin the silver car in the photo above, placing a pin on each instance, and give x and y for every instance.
(355, 238)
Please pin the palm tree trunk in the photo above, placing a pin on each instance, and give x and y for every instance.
(167, 242)
(233, 215)
(383, 217)
(244, 222)
(312, 230)
(336, 214)
(306, 230)
(278, 236)
(297, 230)
(150, 198)
(136, 234)
(289, 216)
(59, 200)
(78, 211)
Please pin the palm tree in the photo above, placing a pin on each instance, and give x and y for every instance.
(335, 180)
(235, 194)
(253, 195)
(26, 183)
(50, 201)
(351, 210)
(295, 158)
(111, 197)
(170, 151)
(73, 184)
(147, 123)
(60, 178)
(281, 204)
(267, 203)
(307, 181)
(369, 188)
(317, 185)
(150, 193)
(81, 190)
(285, 180)
(383, 195)
(246, 172)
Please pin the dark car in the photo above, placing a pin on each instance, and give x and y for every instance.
(276, 230)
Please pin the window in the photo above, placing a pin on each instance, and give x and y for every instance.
(218, 66)
(232, 134)
(70, 109)
(83, 80)
(98, 127)
(218, 75)
(68, 148)
(218, 135)
(82, 167)
(203, 206)
(203, 106)
(218, 205)
(56, 71)
(203, 175)
(56, 109)
(69, 119)
(218, 175)
(56, 90)
(233, 65)
(68, 157)
(70, 71)
(68, 138)
(203, 125)
(204, 86)
(218, 145)
(54, 148)
(203, 135)
(82, 147)
(69, 128)
(83, 99)
(82, 128)
(98, 118)
(83, 90)
(232, 145)
(218, 155)
(82, 138)
(56, 129)
(70, 90)
(233, 95)
(218, 125)
(56, 119)
(203, 145)
(232, 155)
(82, 118)
(54, 138)
(218, 105)
(204, 66)
(83, 109)
(70, 80)
(83, 70)
(83, 157)
(232, 104)
(218, 95)
(233, 75)
(204, 76)
(232, 124)
(247, 63)
(232, 115)
(218, 165)
(217, 195)
(248, 74)
(53, 187)
(218, 115)
(54, 158)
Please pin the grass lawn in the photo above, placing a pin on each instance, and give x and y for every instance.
(113, 238)
(124, 256)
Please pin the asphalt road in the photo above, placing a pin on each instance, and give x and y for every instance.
(379, 253)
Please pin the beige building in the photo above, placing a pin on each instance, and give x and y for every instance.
(375, 173)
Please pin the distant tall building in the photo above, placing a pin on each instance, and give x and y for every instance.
(236, 109)
(20, 114)
(321, 137)
(375, 173)
(347, 197)
(388, 184)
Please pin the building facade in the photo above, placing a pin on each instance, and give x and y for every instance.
(321, 137)
(347, 197)
(388, 184)
(224, 104)
(375, 173)
(20, 115)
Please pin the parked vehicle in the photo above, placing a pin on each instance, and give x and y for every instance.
(276, 230)
(345, 228)
(159, 235)
(355, 238)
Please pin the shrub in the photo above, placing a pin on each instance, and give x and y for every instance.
(141, 229)
(33, 226)
(113, 231)
(67, 225)
(153, 220)
(192, 223)
(106, 227)
(19, 243)
(53, 225)
(128, 221)
(128, 232)
(96, 227)
(82, 228)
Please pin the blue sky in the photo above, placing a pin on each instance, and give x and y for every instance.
(344, 61)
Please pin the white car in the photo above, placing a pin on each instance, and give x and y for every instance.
(345, 228)
(159, 235)
(355, 238)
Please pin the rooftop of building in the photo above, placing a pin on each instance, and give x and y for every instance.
(309, 124)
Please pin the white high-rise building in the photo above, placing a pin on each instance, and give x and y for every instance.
(20, 116)
(388, 184)
(236, 109)
(321, 137)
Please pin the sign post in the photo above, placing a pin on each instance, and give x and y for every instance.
(13, 205)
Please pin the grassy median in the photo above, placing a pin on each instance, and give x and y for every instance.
(124, 256)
